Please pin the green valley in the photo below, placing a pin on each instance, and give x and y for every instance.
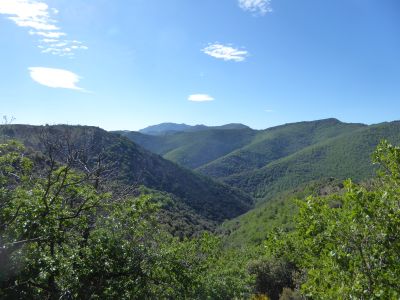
(211, 199)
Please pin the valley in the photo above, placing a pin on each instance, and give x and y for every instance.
(240, 185)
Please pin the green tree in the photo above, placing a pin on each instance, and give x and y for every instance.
(62, 236)
(272, 276)
(348, 245)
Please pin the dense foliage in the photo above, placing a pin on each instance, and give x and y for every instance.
(341, 157)
(275, 143)
(70, 228)
(252, 228)
(133, 165)
(348, 246)
(265, 163)
(63, 237)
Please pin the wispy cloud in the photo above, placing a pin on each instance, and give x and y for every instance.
(60, 48)
(55, 78)
(200, 98)
(39, 18)
(48, 34)
(261, 7)
(269, 110)
(225, 52)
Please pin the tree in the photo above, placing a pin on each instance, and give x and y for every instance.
(64, 235)
(348, 245)
(272, 276)
(43, 219)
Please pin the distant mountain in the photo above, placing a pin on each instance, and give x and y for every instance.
(266, 162)
(170, 128)
(345, 156)
(134, 165)
(220, 152)
(275, 143)
(315, 170)
(165, 128)
(194, 149)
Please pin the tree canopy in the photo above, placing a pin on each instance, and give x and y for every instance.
(347, 245)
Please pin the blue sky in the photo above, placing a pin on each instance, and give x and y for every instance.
(133, 63)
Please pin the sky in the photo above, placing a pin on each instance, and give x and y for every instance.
(128, 64)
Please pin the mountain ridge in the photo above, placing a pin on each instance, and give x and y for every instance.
(171, 128)
(265, 162)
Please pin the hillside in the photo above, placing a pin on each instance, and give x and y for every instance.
(226, 150)
(275, 143)
(341, 157)
(170, 128)
(253, 227)
(194, 149)
(316, 170)
(264, 163)
(134, 165)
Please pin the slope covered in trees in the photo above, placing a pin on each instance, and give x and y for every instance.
(343, 246)
(71, 228)
(267, 162)
(274, 143)
(134, 165)
(226, 150)
(194, 149)
(252, 228)
(341, 157)
(69, 234)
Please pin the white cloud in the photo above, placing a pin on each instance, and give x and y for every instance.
(261, 7)
(25, 10)
(61, 47)
(34, 24)
(58, 51)
(225, 52)
(269, 110)
(55, 78)
(39, 18)
(48, 34)
(200, 98)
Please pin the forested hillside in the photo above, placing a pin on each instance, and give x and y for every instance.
(264, 163)
(226, 150)
(133, 165)
(274, 143)
(194, 149)
(68, 232)
(341, 157)
(98, 216)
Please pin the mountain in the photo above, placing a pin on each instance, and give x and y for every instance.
(345, 156)
(220, 152)
(266, 162)
(275, 143)
(165, 128)
(315, 170)
(170, 128)
(194, 149)
(224, 154)
(134, 165)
